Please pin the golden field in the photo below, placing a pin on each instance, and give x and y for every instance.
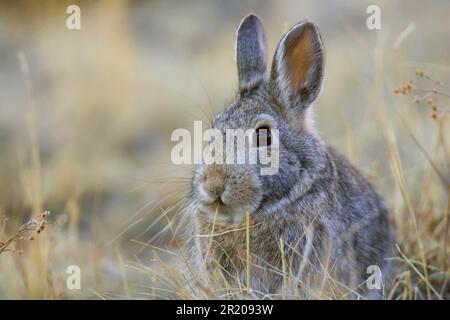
(86, 117)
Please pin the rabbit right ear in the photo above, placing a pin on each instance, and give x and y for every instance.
(297, 69)
(251, 53)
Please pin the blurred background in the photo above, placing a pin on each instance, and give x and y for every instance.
(86, 117)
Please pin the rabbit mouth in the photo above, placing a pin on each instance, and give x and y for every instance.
(220, 212)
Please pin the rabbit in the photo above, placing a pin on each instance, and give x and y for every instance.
(315, 223)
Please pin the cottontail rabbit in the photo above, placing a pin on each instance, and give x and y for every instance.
(316, 225)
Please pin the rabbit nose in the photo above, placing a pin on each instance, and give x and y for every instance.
(211, 190)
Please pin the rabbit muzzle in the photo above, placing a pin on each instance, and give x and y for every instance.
(226, 193)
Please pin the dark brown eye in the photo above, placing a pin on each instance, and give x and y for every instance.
(263, 136)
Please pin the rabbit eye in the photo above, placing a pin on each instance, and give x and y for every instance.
(263, 136)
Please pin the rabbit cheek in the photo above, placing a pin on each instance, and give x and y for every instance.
(242, 192)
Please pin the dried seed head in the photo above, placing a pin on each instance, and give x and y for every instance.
(45, 214)
(434, 115)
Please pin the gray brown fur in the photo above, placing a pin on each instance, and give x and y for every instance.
(316, 196)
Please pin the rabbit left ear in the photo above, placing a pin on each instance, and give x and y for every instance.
(297, 69)
(251, 53)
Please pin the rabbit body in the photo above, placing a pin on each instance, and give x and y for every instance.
(316, 223)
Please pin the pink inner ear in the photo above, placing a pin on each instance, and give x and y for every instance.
(299, 57)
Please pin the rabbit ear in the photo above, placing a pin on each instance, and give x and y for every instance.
(297, 69)
(251, 53)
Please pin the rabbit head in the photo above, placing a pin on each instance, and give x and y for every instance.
(279, 100)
